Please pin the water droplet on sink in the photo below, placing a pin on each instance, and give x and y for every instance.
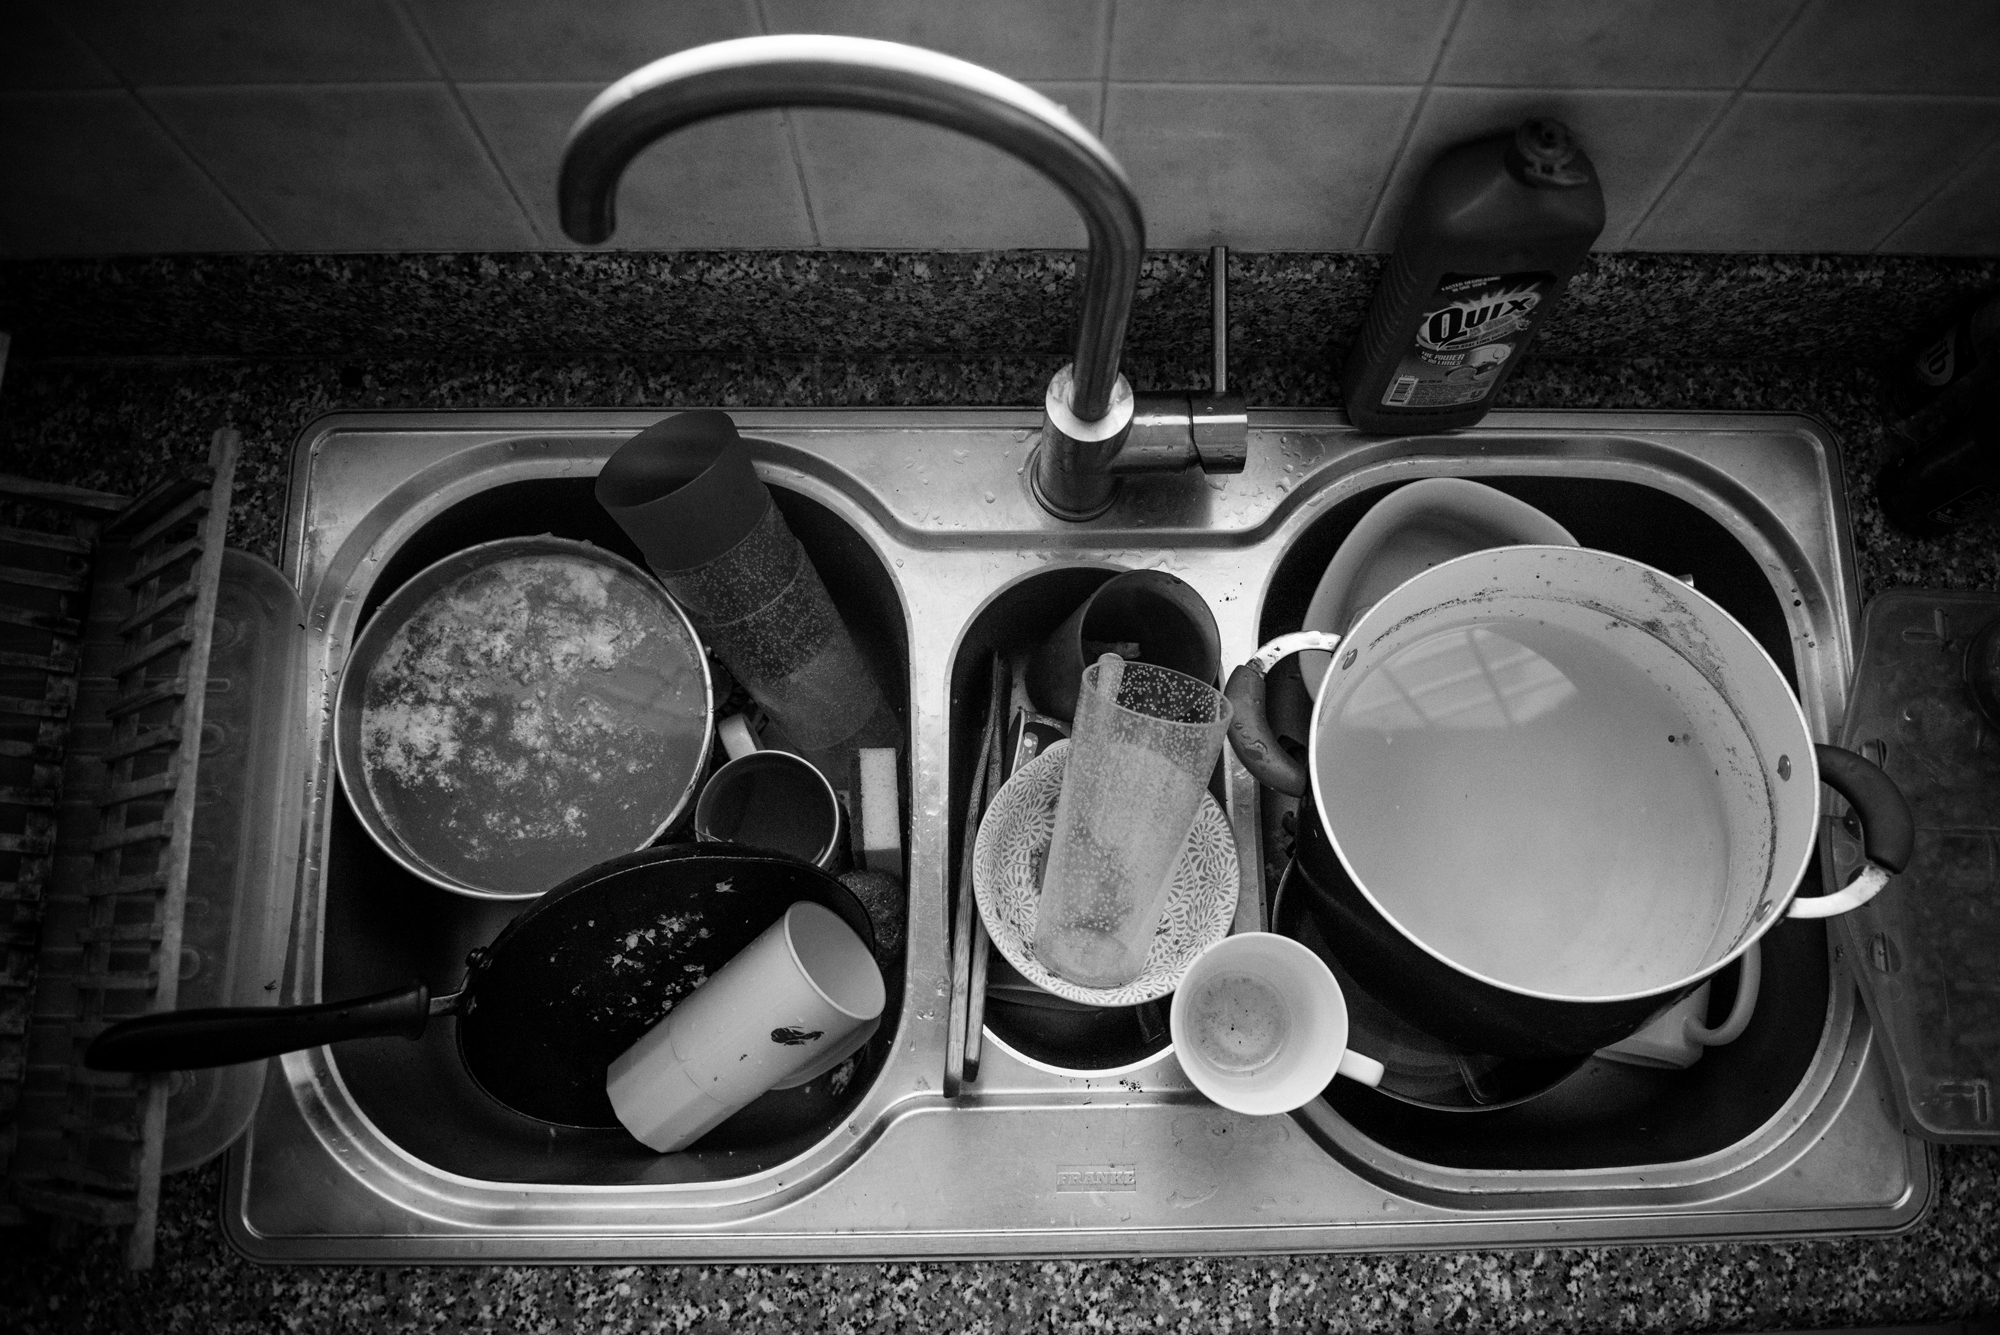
(899, 563)
(990, 498)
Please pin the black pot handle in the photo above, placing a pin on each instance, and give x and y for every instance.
(1250, 734)
(225, 1035)
(1888, 830)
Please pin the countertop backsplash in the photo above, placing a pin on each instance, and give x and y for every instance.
(1287, 309)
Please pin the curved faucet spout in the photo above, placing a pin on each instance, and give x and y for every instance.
(754, 73)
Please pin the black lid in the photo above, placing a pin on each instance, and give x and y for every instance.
(1545, 154)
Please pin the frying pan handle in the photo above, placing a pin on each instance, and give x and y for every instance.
(1250, 734)
(1888, 830)
(225, 1035)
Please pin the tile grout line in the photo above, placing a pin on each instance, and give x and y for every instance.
(151, 113)
(228, 196)
(1948, 180)
(1108, 31)
(1714, 123)
(1409, 127)
(417, 29)
(791, 130)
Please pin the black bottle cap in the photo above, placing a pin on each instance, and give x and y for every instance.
(1545, 154)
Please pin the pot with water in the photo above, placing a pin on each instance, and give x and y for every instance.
(1553, 790)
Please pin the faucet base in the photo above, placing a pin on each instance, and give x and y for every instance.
(1070, 470)
(1095, 498)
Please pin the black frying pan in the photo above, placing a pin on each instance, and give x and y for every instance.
(566, 986)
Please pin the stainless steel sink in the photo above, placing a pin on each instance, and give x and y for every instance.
(925, 526)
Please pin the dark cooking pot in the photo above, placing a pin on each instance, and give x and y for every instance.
(1553, 791)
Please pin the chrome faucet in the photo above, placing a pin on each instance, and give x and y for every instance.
(1089, 438)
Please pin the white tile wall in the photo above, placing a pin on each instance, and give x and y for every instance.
(723, 184)
(881, 182)
(360, 125)
(1257, 166)
(412, 174)
(1834, 166)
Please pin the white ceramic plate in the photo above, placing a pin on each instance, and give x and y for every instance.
(1013, 845)
(1406, 533)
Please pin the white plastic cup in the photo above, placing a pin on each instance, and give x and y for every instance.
(796, 1002)
(1260, 1025)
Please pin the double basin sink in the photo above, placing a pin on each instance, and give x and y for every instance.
(923, 526)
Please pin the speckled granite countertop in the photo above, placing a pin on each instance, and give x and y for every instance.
(114, 385)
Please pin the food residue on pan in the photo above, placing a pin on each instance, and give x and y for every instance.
(530, 719)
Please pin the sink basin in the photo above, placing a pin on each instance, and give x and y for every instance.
(924, 527)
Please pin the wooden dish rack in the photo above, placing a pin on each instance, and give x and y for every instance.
(106, 612)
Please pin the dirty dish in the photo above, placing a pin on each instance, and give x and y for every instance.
(1553, 791)
(1418, 1068)
(521, 711)
(1008, 859)
(1413, 528)
(1145, 743)
(1260, 1026)
(793, 1004)
(774, 800)
(573, 981)
(1149, 616)
(685, 492)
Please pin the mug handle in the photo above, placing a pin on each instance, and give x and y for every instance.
(1250, 735)
(1888, 830)
(833, 1056)
(739, 739)
(1749, 979)
(1366, 1070)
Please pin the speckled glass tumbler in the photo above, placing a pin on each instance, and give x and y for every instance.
(720, 545)
(1146, 740)
(763, 610)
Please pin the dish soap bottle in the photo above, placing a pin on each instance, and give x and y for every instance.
(1496, 229)
(1948, 359)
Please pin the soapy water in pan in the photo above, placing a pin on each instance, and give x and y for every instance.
(533, 717)
(1536, 807)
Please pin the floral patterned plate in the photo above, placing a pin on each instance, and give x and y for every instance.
(1013, 845)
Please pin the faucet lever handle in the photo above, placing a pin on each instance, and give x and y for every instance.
(1181, 429)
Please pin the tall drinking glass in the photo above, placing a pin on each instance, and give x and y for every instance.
(1145, 741)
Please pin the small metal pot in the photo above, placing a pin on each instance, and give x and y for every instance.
(520, 711)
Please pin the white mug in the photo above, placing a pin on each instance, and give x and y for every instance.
(792, 1005)
(1260, 1025)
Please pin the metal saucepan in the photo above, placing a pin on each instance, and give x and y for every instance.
(520, 711)
(1553, 790)
(568, 985)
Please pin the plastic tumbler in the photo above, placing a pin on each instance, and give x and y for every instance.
(1145, 741)
(719, 544)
